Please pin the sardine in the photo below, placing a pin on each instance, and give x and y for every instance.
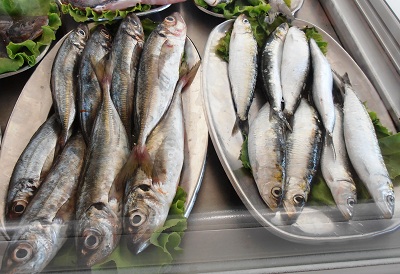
(99, 206)
(278, 7)
(157, 77)
(64, 78)
(322, 87)
(294, 69)
(364, 151)
(266, 149)
(126, 51)
(242, 69)
(27, 28)
(303, 148)
(271, 61)
(336, 169)
(89, 92)
(31, 168)
(47, 221)
(105, 5)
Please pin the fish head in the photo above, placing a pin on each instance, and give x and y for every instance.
(98, 234)
(103, 37)
(295, 196)
(31, 249)
(173, 26)
(345, 196)
(271, 193)
(133, 27)
(143, 214)
(385, 199)
(242, 24)
(281, 31)
(80, 36)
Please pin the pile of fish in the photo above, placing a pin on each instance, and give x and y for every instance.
(303, 127)
(108, 161)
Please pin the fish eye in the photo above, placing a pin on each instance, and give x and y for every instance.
(351, 202)
(170, 19)
(81, 32)
(276, 191)
(92, 239)
(22, 253)
(390, 199)
(299, 200)
(245, 20)
(19, 207)
(137, 219)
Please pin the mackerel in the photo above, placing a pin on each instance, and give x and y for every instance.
(303, 147)
(266, 143)
(364, 151)
(242, 69)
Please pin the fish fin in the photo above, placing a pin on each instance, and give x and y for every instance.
(235, 128)
(282, 117)
(329, 139)
(191, 74)
(103, 71)
(67, 209)
(126, 172)
(166, 50)
(143, 159)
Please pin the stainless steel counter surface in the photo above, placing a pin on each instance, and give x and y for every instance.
(222, 235)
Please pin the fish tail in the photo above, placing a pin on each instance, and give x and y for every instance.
(103, 71)
(240, 125)
(188, 78)
(282, 117)
(329, 140)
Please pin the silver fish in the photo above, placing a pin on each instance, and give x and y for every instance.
(335, 167)
(89, 92)
(322, 87)
(266, 143)
(64, 80)
(157, 77)
(47, 221)
(31, 168)
(127, 48)
(364, 151)
(303, 147)
(278, 7)
(99, 205)
(271, 67)
(294, 69)
(242, 69)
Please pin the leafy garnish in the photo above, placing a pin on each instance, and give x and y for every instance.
(312, 32)
(244, 154)
(380, 130)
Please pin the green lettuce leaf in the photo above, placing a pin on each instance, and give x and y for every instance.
(24, 7)
(312, 32)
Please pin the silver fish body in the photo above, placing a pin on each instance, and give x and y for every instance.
(127, 48)
(64, 78)
(271, 61)
(31, 168)
(242, 67)
(335, 168)
(266, 143)
(365, 154)
(89, 92)
(99, 204)
(303, 148)
(322, 87)
(294, 68)
(278, 7)
(47, 221)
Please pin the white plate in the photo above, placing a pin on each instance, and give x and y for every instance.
(34, 104)
(315, 224)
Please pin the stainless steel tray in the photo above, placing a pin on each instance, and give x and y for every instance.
(315, 224)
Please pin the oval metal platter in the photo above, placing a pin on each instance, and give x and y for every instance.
(316, 224)
(35, 102)
(294, 7)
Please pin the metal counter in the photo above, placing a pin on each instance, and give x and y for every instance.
(222, 235)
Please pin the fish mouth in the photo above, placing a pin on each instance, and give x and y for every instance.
(387, 206)
(136, 248)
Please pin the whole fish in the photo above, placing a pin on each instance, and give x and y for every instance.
(278, 7)
(364, 151)
(303, 148)
(89, 92)
(47, 221)
(105, 5)
(271, 61)
(336, 169)
(266, 149)
(64, 78)
(294, 69)
(157, 77)
(322, 87)
(242, 69)
(31, 168)
(99, 205)
(126, 51)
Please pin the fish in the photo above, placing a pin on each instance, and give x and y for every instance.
(27, 28)
(214, 3)
(364, 151)
(278, 7)
(303, 149)
(266, 150)
(322, 87)
(99, 205)
(271, 59)
(156, 81)
(31, 168)
(242, 69)
(111, 5)
(89, 91)
(294, 69)
(47, 222)
(64, 78)
(336, 169)
(126, 51)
